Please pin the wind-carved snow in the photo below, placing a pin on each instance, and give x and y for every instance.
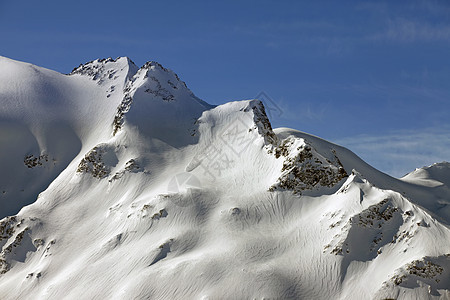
(164, 249)
(160, 195)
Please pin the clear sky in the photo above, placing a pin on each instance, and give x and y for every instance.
(372, 76)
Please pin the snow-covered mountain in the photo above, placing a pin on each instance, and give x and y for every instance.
(117, 182)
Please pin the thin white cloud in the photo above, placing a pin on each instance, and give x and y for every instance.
(409, 31)
(398, 153)
(299, 27)
(330, 39)
(432, 7)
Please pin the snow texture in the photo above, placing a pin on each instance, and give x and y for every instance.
(117, 182)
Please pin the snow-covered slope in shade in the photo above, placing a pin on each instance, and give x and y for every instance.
(163, 196)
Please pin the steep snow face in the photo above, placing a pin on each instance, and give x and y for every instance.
(435, 179)
(48, 119)
(163, 106)
(433, 176)
(167, 197)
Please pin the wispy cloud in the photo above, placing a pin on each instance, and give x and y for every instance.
(327, 37)
(400, 152)
(298, 27)
(431, 7)
(409, 31)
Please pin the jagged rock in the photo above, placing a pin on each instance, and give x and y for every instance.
(150, 84)
(130, 166)
(99, 70)
(375, 215)
(161, 214)
(4, 265)
(122, 109)
(424, 269)
(304, 168)
(93, 164)
(32, 161)
(373, 228)
(7, 226)
(159, 91)
(262, 123)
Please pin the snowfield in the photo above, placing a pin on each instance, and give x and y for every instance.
(117, 182)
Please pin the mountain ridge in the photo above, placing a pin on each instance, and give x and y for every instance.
(210, 200)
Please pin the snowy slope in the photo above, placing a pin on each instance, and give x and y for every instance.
(48, 119)
(145, 191)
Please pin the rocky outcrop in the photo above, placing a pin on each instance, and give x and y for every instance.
(101, 70)
(365, 233)
(160, 91)
(4, 266)
(262, 123)
(93, 164)
(422, 269)
(122, 109)
(131, 166)
(32, 161)
(146, 80)
(7, 227)
(304, 168)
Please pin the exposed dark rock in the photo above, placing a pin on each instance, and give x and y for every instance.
(262, 123)
(303, 169)
(7, 227)
(159, 91)
(4, 265)
(32, 161)
(423, 268)
(92, 163)
(130, 166)
(375, 215)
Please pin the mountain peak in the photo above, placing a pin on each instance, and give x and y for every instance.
(153, 64)
(115, 161)
(105, 69)
(435, 175)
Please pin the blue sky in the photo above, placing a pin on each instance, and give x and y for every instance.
(372, 76)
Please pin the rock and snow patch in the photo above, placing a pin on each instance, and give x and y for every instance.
(304, 168)
(131, 166)
(98, 161)
(431, 275)
(32, 161)
(363, 235)
(15, 242)
(424, 269)
(104, 70)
